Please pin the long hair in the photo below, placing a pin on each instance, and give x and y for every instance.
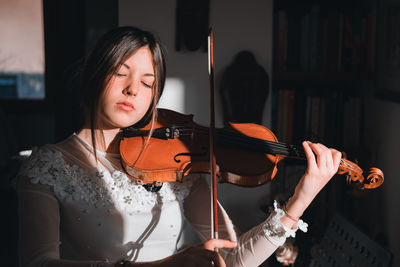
(112, 50)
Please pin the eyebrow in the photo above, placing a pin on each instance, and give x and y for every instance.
(147, 74)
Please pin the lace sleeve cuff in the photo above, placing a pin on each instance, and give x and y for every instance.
(275, 231)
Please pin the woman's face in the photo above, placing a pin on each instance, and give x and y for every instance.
(130, 91)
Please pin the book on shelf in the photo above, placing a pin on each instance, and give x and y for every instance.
(351, 122)
(315, 39)
(282, 40)
(290, 116)
(304, 42)
(282, 115)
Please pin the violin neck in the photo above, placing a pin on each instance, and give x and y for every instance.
(262, 146)
(290, 151)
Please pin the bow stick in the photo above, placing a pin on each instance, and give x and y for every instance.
(213, 172)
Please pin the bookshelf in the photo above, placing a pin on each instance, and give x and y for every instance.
(323, 70)
(324, 36)
(324, 59)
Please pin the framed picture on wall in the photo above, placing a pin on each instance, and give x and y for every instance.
(22, 57)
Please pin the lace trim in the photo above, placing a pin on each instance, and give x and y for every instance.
(275, 231)
(97, 187)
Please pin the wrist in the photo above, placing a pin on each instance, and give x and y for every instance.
(301, 199)
(295, 207)
(294, 219)
(291, 219)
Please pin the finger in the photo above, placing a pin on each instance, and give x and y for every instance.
(320, 151)
(218, 243)
(333, 160)
(311, 162)
(330, 164)
(337, 156)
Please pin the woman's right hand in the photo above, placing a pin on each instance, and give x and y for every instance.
(203, 255)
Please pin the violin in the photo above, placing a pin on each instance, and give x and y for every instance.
(247, 154)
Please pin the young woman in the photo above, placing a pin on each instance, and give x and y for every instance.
(79, 208)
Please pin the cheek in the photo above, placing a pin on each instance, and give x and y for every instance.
(108, 98)
(147, 99)
(107, 105)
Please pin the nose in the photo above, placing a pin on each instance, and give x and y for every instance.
(130, 91)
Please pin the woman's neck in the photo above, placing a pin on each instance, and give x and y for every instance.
(109, 144)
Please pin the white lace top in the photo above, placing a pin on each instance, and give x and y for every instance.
(74, 212)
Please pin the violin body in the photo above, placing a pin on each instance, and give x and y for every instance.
(184, 148)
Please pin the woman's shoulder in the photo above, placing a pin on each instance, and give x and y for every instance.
(34, 173)
(41, 160)
(51, 166)
(46, 160)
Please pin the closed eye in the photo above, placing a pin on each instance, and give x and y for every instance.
(119, 74)
(147, 85)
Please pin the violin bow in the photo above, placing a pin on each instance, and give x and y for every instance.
(213, 171)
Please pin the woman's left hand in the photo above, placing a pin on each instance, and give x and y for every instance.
(322, 165)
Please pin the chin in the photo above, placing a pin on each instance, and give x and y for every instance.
(125, 124)
(121, 122)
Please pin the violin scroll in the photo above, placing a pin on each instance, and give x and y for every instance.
(354, 174)
(374, 179)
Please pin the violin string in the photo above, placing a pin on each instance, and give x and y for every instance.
(252, 143)
(184, 131)
(260, 145)
(278, 148)
(233, 137)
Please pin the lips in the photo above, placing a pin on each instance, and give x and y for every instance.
(125, 106)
